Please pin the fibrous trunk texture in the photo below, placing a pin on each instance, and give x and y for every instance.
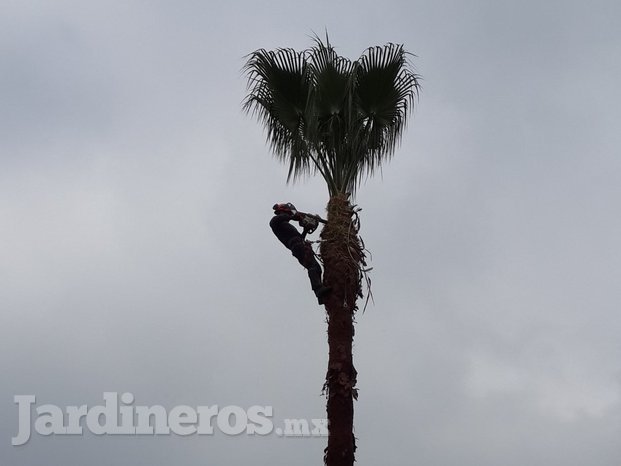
(342, 255)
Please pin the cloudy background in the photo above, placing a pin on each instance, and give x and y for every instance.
(135, 254)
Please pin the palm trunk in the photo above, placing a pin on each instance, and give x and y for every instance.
(342, 256)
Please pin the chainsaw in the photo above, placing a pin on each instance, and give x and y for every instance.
(309, 222)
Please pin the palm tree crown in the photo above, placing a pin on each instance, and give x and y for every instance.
(327, 114)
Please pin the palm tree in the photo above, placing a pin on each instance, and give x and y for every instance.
(326, 114)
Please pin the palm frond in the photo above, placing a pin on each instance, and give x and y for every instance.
(278, 93)
(324, 113)
(385, 87)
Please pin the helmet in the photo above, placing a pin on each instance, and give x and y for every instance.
(288, 207)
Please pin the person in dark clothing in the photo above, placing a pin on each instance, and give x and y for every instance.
(299, 247)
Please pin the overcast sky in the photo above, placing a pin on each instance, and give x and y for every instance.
(135, 254)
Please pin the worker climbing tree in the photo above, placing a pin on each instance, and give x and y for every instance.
(298, 245)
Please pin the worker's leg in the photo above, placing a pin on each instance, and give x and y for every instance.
(303, 252)
(298, 249)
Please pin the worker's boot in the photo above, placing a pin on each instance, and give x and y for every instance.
(321, 291)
